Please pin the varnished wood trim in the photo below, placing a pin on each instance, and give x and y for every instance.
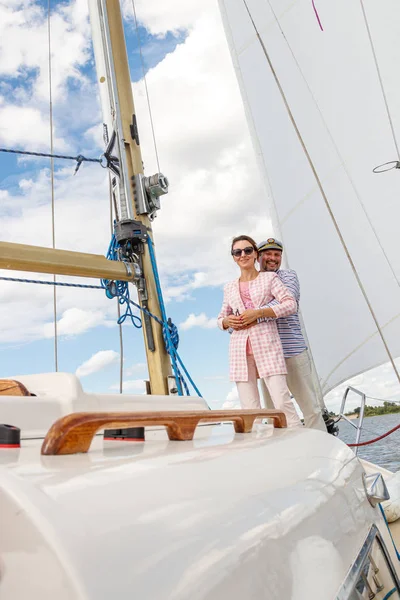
(20, 257)
(10, 387)
(73, 433)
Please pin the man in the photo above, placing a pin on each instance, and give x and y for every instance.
(300, 374)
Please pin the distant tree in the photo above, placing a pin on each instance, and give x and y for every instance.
(376, 411)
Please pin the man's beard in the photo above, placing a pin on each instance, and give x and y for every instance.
(266, 268)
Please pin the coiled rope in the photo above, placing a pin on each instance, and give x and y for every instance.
(120, 290)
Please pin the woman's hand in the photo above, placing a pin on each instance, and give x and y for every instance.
(249, 316)
(232, 321)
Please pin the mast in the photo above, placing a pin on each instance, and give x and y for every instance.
(136, 197)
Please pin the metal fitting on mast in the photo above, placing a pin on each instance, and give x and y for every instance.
(132, 236)
(147, 192)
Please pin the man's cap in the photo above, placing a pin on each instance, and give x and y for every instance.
(270, 244)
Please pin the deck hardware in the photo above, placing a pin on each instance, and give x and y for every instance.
(73, 433)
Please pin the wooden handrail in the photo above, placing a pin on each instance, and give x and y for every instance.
(73, 433)
(10, 387)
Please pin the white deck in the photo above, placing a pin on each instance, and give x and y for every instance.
(223, 517)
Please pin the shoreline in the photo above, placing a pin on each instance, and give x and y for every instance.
(354, 416)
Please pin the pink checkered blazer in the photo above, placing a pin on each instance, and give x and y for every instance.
(264, 337)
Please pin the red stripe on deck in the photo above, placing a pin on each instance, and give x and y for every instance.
(10, 445)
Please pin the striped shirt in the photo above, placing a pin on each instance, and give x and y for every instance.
(289, 328)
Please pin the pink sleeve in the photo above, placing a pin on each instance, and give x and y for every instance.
(287, 303)
(226, 309)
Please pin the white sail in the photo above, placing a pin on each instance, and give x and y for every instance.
(333, 88)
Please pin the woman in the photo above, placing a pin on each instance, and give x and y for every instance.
(255, 348)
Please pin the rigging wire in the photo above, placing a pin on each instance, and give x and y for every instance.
(145, 84)
(79, 158)
(53, 222)
(323, 194)
(383, 400)
(57, 283)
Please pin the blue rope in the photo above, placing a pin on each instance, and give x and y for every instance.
(166, 330)
(120, 289)
(390, 533)
(170, 332)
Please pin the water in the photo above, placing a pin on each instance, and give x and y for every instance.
(386, 452)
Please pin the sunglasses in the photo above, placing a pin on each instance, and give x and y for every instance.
(238, 252)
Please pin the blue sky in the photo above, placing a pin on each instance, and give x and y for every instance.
(204, 149)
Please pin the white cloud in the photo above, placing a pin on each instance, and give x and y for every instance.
(137, 368)
(188, 283)
(131, 385)
(24, 71)
(97, 362)
(25, 184)
(24, 45)
(21, 125)
(205, 150)
(75, 321)
(174, 15)
(232, 399)
(200, 320)
(378, 385)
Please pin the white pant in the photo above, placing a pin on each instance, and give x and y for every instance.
(250, 398)
(301, 383)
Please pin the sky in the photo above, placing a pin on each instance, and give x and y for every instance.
(204, 148)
